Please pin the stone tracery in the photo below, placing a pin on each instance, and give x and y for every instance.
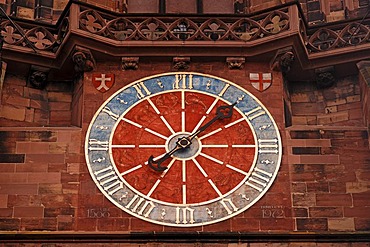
(217, 29)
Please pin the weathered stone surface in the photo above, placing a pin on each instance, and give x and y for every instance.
(13, 112)
(346, 224)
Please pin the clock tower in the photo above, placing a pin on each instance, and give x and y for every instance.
(199, 122)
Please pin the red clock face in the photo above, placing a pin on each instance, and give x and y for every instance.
(218, 160)
(183, 149)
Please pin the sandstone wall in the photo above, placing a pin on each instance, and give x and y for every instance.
(322, 186)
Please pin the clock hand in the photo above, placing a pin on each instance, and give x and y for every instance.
(180, 144)
(222, 112)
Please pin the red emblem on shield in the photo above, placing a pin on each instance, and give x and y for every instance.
(260, 81)
(103, 82)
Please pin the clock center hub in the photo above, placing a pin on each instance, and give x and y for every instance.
(188, 149)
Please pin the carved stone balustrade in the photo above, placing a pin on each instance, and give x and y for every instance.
(123, 35)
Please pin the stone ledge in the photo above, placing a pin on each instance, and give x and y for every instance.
(183, 237)
(322, 127)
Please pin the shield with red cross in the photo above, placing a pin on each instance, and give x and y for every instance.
(103, 82)
(260, 81)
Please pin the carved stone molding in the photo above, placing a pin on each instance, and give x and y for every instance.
(235, 62)
(37, 77)
(325, 77)
(130, 63)
(283, 60)
(83, 59)
(348, 34)
(181, 63)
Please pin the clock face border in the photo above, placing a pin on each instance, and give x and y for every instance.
(260, 177)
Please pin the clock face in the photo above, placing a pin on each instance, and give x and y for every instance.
(183, 149)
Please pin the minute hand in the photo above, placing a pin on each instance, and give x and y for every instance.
(222, 112)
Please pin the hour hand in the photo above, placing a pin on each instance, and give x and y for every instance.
(156, 164)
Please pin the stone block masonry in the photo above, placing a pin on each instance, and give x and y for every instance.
(329, 156)
(339, 105)
(322, 186)
(26, 106)
(330, 191)
(39, 178)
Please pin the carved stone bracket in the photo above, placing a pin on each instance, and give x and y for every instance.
(38, 76)
(235, 62)
(364, 68)
(325, 77)
(83, 59)
(181, 63)
(130, 63)
(283, 60)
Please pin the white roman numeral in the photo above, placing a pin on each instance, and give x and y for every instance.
(185, 215)
(108, 180)
(96, 145)
(141, 206)
(110, 113)
(229, 206)
(266, 146)
(224, 90)
(254, 113)
(259, 179)
(142, 90)
(182, 83)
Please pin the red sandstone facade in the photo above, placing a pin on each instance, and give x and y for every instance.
(318, 56)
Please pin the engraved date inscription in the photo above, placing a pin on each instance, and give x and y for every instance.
(272, 212)
(98, 213)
